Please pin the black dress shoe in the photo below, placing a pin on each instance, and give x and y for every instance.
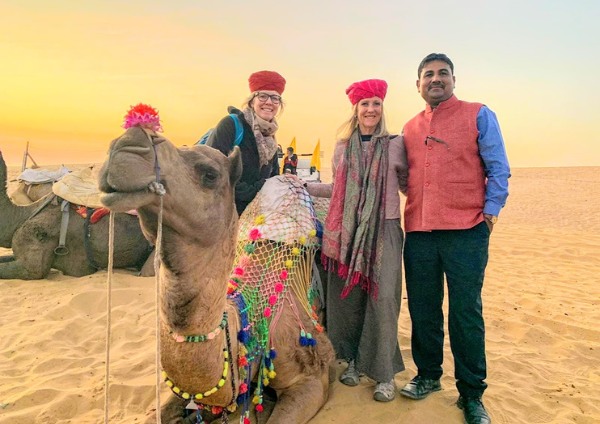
(420, 388)
(473, 410)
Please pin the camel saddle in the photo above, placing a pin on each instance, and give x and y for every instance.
(79, 188)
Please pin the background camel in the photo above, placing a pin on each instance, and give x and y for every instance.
(199, 234)
(33, 240)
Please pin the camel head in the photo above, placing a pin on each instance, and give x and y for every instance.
(199, 182)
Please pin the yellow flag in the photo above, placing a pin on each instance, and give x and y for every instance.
(292, 145)
(316, 157)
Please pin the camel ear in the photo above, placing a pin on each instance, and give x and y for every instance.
(235, 165)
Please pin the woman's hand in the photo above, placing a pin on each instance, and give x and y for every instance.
(293, 177)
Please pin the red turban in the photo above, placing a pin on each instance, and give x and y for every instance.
(367, 89)
(267, 80)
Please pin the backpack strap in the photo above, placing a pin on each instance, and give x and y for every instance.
(239, 129)
(239, 132)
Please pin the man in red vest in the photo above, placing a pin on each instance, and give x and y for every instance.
(457, 184)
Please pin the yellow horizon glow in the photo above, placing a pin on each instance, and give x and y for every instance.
(69, 76)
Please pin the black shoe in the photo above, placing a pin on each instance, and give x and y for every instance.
(473, 410)
(420, 388)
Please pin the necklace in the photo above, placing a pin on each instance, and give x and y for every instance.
(185, 395)
(179, 338)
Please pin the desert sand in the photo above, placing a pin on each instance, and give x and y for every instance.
(541, 306)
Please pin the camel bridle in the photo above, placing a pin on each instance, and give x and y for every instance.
(159, 189)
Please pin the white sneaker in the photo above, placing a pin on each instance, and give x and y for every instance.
(385, 392)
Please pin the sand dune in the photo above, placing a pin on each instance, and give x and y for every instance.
(541, 304)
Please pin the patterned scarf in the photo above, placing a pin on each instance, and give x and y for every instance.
(353, 235)
(264, 133)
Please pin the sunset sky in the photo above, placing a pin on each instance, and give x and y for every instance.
(70, 70)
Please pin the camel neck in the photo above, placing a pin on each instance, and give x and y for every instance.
(194, 285)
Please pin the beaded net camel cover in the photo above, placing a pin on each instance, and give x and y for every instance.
(278, 238)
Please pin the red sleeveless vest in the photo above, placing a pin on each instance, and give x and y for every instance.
(446, 180)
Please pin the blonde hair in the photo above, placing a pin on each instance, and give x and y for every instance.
(249, 100)
(345, 130)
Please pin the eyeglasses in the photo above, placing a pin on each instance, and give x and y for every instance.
(263, 97)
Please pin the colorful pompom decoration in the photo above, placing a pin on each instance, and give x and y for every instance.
(243, 336)
(254, 234)
(260, 219)
(272, 300)
(238, 271)
(244, 261)
(312, 233)
(283, 275)
(232, 286)
(278, 287)
(144, 116)
(295, 251)
(267, 312)
(306, 339)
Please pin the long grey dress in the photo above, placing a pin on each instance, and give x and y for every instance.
(366, 329)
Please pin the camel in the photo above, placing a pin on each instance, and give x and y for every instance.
(34, 238)
(199, 231)
(26, 194)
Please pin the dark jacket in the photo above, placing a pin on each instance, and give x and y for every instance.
(290, 163)
(253, 175)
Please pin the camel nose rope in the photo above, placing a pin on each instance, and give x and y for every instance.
(111, 248)
(159, 189)
(157, 280)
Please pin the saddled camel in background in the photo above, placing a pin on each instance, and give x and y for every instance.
(199, 233)
(34, 238)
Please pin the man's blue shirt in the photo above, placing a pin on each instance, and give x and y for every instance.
(495, 161)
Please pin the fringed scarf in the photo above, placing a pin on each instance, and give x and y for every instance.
(353, 235)
(264, 133)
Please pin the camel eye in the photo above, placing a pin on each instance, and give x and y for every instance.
(208, 175)
(211, 176)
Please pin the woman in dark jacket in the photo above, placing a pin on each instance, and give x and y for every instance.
(258, 145)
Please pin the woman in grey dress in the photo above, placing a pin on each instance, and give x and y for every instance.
(362, 242)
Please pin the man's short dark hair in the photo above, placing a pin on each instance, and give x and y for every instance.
(290, 149)
(432, 57)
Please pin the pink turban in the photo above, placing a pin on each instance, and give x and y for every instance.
(367, 89)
